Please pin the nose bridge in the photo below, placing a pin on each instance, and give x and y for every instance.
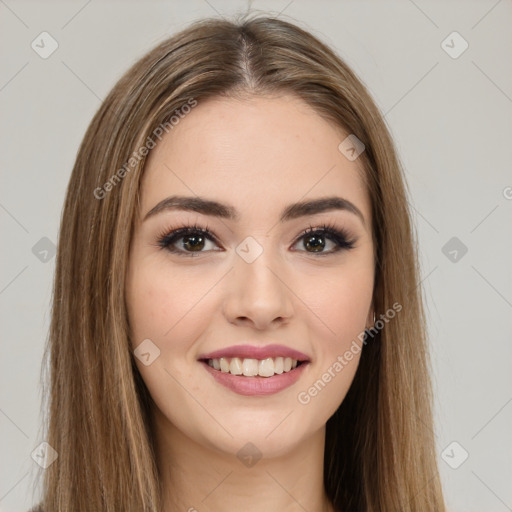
(261, 275)
(259, 292)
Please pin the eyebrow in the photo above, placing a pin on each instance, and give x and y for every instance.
(223, 211)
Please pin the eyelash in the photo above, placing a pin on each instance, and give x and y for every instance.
(339, 236)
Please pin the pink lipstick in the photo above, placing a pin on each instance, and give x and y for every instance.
(252, 370)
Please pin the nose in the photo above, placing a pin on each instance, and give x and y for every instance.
(258, 293)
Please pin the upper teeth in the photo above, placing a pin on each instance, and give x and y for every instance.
(252, 367)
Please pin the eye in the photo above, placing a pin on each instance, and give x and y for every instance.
(316, 240)
(193, 240)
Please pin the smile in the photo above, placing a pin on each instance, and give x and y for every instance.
(256, 385)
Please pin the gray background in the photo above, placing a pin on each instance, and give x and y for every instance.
(451, 119)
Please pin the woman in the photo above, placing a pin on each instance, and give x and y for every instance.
(237, 317)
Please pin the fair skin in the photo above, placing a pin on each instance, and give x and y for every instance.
(258, 155)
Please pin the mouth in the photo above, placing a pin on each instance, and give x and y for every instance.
(254, 370)
(250, 367)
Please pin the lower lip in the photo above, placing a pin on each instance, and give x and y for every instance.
(253, 386)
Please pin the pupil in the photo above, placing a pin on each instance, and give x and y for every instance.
(318, 243)
(196, 239)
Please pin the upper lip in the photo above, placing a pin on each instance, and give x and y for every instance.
(256, 352)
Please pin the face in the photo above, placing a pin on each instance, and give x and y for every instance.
(250, 272)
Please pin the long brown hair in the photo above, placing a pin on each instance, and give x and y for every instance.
(380, 449)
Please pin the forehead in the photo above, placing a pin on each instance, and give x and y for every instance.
(259, 152)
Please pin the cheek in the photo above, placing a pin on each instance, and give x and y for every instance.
(340, 301)
(165, 308)
(160, 304)
(343, 308)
